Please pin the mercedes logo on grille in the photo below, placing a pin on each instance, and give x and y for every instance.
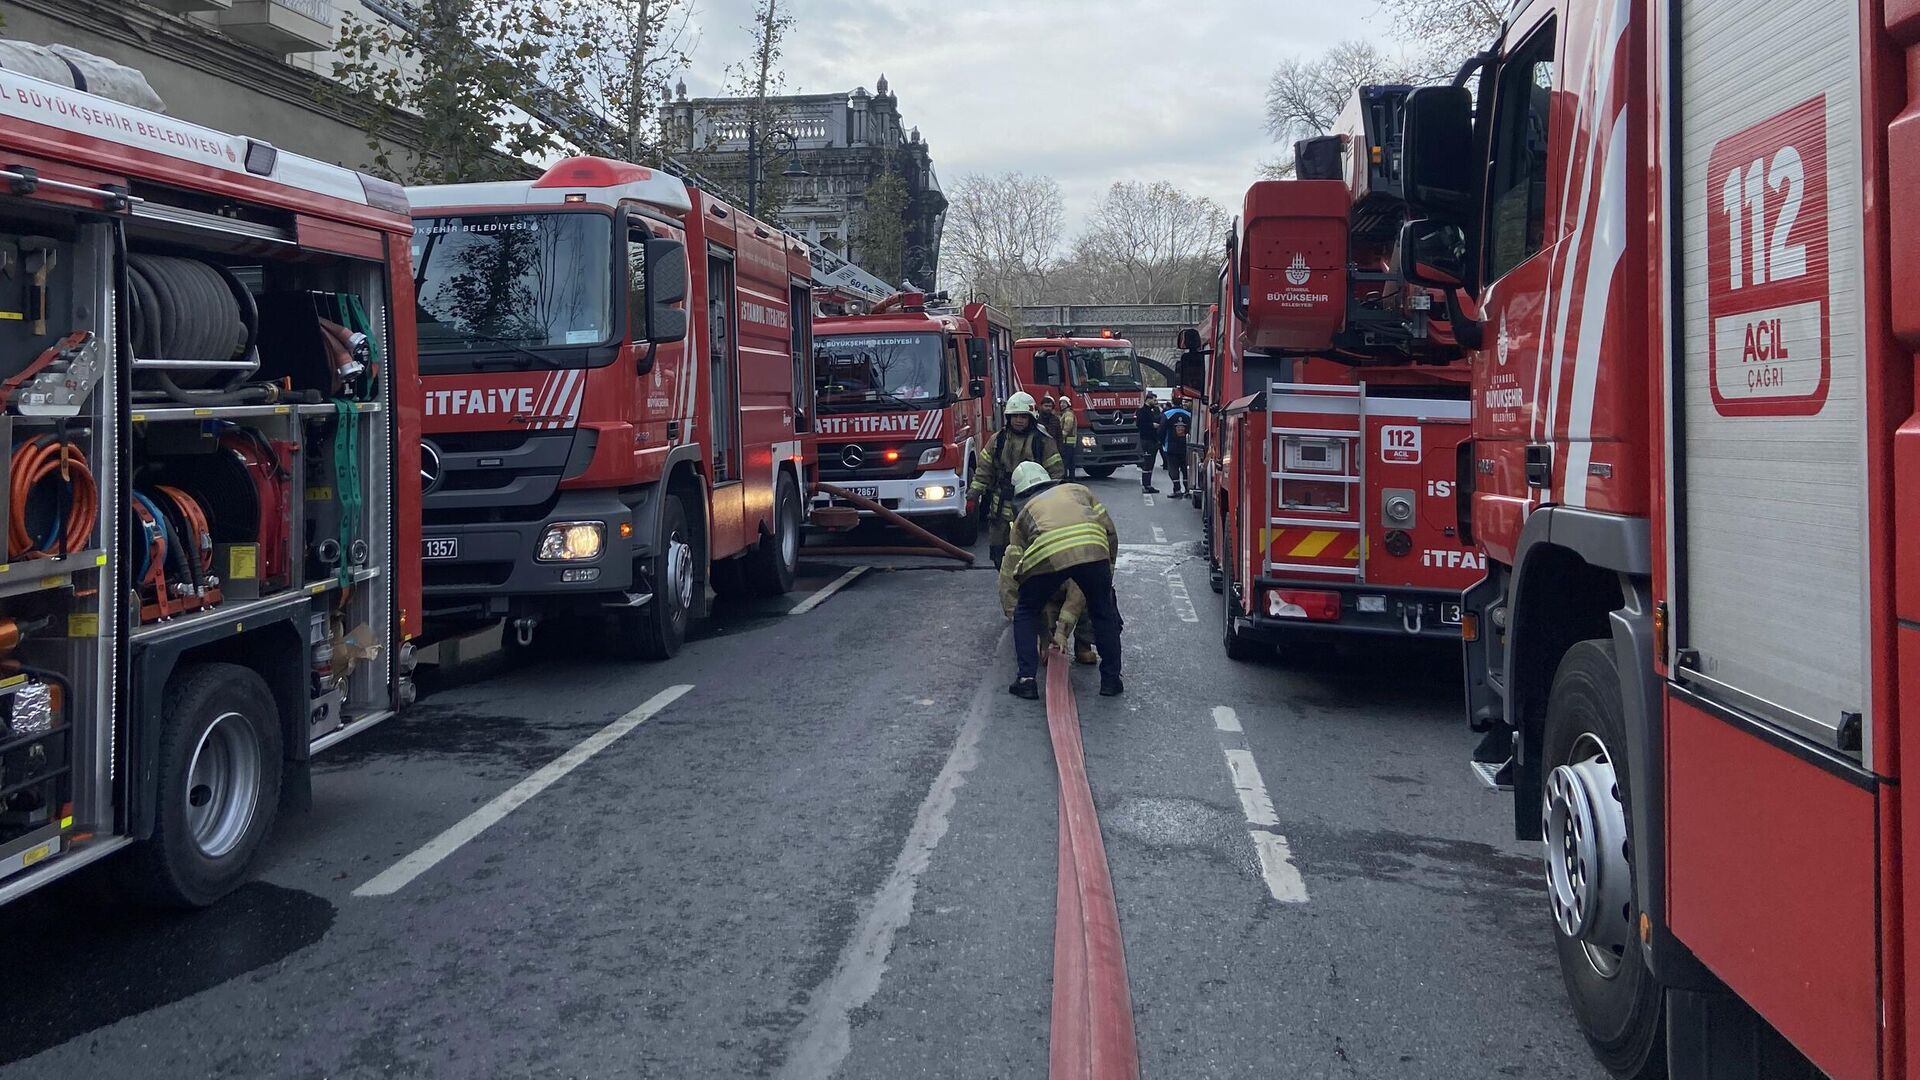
(430, 472)
(853, 457)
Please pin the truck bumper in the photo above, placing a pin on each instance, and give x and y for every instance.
(1110, 448)
(909, 497)
(491, 570)
(1365, 611)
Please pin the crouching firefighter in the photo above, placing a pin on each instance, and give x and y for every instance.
(1020, 440)
(1063, 534)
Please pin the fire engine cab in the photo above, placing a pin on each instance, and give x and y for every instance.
(1338, 403)
(906, 391)
(617, 378)
(1101, 376)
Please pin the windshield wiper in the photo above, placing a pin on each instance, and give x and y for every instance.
(520, 350)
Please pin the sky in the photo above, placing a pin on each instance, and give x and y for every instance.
(1085, 91)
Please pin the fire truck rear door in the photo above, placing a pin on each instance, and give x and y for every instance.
(1771, 820)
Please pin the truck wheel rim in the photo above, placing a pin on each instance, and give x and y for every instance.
(223, 784)
(1589, 878)
(680, 573)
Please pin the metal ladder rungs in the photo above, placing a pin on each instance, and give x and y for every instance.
(1315, 478)
(1313, 568)
(1305, 523)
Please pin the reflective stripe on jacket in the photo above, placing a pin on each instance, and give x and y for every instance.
(993, 471)
(1062, 526)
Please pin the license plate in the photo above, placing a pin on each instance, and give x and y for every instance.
(1118, 440)
(441, 547)
(866, 491)
(1450, 614)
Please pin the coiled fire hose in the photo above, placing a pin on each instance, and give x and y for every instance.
(49, 461)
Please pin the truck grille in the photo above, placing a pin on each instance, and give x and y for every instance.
(837, 460)
(491, 476)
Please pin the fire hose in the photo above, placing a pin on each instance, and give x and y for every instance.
(49, 461)
(1091, 1034)
(894, 518)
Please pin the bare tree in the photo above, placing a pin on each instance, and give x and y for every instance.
(1143, 242)
(759, 79)
(1003, 235)
(1447, 31)
(616, 57)
(1304, 97)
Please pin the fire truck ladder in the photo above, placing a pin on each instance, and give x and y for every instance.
(1316, 455)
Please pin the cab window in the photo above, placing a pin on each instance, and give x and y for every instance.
(1522, 118)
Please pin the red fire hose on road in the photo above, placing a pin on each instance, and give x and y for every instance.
(893, 518)
(1092, 1029)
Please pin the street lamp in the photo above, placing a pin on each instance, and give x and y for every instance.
(754, 177)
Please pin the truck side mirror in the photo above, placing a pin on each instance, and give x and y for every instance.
(1046, 368)
(666, 286)
(1433, 253)
(977, 359)
(1190, 370)
(1438, 143)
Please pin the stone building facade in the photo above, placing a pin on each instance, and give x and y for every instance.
(844, 142)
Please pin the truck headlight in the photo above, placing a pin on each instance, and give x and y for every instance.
(931, 454)
(572, 541)
(931, 493)
(1088, 442)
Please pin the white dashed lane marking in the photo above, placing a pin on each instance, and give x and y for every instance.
(1277, 869)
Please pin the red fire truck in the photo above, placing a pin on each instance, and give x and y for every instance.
(1101, 376)
(906, 392)
(207, 390)
(1336, 418)
(1686, 228)
(618, 392)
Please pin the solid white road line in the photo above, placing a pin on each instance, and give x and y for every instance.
(1276, 867)
(1225, 719)
(395, 877)
(825, 1035)
(832, 587)
(1251, 789)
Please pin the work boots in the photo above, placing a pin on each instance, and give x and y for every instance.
(1025, 688)
(1111, 686)
(1084, 653)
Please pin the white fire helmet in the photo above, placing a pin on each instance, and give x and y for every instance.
(1029, 475)
(1019, 404)
(1066, 402)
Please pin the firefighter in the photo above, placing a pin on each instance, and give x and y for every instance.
(1146, 422)
(1063, 534)
(1173, 446)
(1069, 433)
(1020, 439)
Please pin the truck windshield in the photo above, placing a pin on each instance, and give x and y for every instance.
(1104, 368)
(512, 281)
(864, 369)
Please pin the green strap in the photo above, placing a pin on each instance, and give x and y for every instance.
(346, 478)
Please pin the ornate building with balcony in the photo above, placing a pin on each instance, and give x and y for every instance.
(843, 143)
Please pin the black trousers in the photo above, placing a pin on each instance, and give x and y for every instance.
(1176, 464)
(1148, 453)
(1096, 581)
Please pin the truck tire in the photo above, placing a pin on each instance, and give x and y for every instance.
(1236, 645)
(1616, 999)
(963, 530)
(771, 567)
(219, 787)
(1099, 472)
(655, 630)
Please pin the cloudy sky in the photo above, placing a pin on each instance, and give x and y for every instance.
(1086, 92)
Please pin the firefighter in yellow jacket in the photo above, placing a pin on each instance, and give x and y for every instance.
(1063, 534)
(1019, 440)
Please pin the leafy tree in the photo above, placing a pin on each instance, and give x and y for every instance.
(881, 235)
(616, 57)
(462, 70)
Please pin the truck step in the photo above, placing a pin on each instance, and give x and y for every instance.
(1497, 777)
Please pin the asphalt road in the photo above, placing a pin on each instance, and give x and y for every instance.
(833, 855)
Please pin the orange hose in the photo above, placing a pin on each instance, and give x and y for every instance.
(199, 533)
(35, 462)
